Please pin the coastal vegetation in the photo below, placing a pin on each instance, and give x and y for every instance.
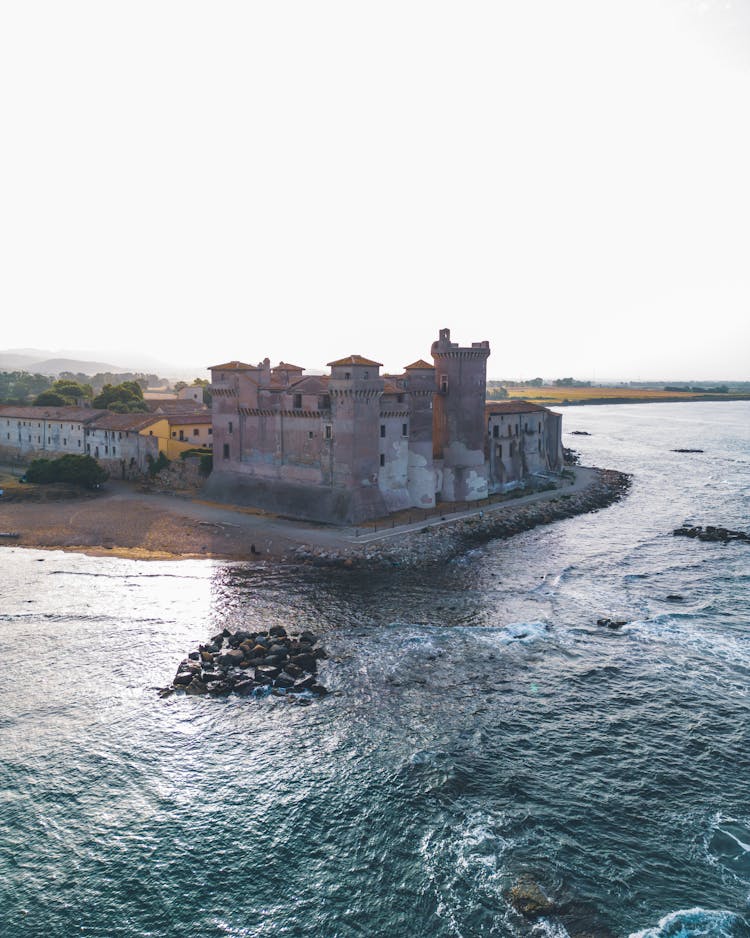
(76, 470)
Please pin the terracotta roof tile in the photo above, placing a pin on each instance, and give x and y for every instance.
(514, 407)
(188, 419)
(50, 413)
(355, 360)
(419, 365)
(232, 366)
(124, 421)
(285, 366)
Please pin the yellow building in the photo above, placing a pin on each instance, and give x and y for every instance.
(179, 432)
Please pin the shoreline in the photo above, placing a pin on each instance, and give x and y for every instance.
(122, 522)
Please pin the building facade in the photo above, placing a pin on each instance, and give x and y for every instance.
(124, 444)
(357, 444)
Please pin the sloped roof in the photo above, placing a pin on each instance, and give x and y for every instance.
(513, 407)
(187, 419)
(50, 413)
(419, 365)
(311, 383)
(175, 407)
(135, 421)
(355, 360)
(285, 366)
(231, 366)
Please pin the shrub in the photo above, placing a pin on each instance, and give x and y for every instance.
(78, 470)
(155, 466)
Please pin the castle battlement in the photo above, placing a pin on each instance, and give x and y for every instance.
(355, 444)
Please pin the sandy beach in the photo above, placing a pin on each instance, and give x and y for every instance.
(121, 520)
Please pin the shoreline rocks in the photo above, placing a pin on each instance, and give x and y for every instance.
(438, 543)
(253, 663)
(711, 533)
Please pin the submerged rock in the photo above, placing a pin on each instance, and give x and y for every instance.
(711, 533)
(527, 897)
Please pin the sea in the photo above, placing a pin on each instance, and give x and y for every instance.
(481, 730)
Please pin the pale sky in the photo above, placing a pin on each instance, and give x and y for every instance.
(569, 179)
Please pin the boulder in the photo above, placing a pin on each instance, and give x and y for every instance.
(283, 680)
(305, 661)
(277, 630)
(196, 686)
(183, 678)
(265, 673)
(527, 898)
(244, 687)
(220, 688)
(231, 658)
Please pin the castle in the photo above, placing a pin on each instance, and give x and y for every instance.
(355, 445)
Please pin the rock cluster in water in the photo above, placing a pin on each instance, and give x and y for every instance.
(711, 533)
(253, 663)
(683, 450)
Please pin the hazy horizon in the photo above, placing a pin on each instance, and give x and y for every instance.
(306, 181)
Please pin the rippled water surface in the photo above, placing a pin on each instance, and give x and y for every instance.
(483, 728)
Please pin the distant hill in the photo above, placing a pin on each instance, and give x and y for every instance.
(48, 362)
(53, 366)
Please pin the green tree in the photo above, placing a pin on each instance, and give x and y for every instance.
(125, 398)
(77, 470)
(50, 399)
(64, 392)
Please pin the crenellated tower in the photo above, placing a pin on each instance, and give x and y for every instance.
(458, 417)
(355, 388)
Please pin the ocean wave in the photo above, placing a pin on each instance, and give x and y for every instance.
(727, 844)
(696, 923)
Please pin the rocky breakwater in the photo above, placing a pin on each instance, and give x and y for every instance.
(442, 540)
(253, 664)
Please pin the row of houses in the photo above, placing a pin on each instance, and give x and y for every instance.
(125, 444)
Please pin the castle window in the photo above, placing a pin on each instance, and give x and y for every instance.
(500, 450)
(65, 442)
(324, 402)
(298, 402)
(230, 426)
(210, 431)
(382, 431)
(329, 432)
(496, 431)
(226, 451)
(404, 429)
(366, 375)
(444, 383)
(400, 398)
(382, 459)
(310, 434)
(347, 375)
(196, 431)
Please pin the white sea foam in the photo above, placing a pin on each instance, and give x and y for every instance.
(693, 923)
